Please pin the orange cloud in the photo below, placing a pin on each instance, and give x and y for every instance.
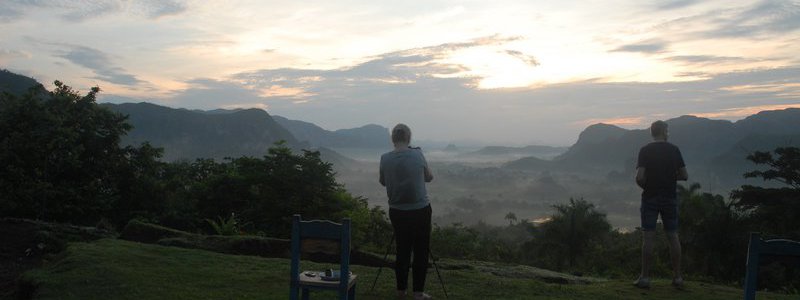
(620, 121)
(739, 112)
(281, 91)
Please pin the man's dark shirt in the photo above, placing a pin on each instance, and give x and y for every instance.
(661, 162)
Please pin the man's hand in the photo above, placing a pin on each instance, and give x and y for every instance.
(428, 175)
(682, 174)
(640, 177)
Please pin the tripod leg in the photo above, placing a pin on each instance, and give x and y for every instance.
(385, 256)
(436, 267)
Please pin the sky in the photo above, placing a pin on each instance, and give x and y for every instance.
(472, 72)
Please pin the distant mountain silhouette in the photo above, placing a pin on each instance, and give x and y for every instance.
(187, 134)
(601, 145)
(16, 84)
(368, 136)
(531, 163)
(714, 150)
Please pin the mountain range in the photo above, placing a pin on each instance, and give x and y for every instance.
(186, 134)
(714, 150)
(367, 136)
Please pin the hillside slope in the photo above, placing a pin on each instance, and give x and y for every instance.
(367, 136)
(186, 134)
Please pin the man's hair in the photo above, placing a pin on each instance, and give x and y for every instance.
(401, 134)
(658, 128)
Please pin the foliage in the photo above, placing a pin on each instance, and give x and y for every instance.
(569, 235)
(785, 168)
(224, 226)
(63, 162)
(61, 156)
(713, 235)
(774, 210)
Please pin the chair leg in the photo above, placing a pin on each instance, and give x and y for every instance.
(305, 293)
(352, 293)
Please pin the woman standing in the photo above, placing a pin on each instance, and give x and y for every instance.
(404, 172)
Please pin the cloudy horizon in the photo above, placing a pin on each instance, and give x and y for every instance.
(508, 72)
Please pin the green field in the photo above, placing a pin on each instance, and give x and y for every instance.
(117, 269)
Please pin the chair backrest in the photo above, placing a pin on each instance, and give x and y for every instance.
(758, 247)
(307, 235)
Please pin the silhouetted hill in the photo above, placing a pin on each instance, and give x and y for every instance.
(530, 163)
(602, 145)
(186, 134)
(729, 165)
(16, 84)
(368, 136)
(772, 121)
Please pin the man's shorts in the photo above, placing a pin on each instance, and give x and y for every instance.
(666, 206)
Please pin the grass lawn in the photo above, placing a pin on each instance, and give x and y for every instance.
(117, 269)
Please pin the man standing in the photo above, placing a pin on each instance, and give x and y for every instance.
(404, 173)
(659, 167)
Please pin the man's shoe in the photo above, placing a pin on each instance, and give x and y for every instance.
(642, 283)
(678, 283)
(421, 296)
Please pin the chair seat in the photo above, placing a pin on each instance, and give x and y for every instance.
(317, 281)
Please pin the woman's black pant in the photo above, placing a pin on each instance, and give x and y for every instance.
(412, 231)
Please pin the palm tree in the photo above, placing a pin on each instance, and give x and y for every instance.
(511, 217)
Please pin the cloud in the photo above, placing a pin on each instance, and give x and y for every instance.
(100, 64)
(399, 67)
(81, 10)
(707, 59)
(674, 4)
(418, 87)
(528, 59)
(765, 18)
(741, 112)
(211, 93)
(9, 13)
(648, 47)
(617, 121)
(7, 54)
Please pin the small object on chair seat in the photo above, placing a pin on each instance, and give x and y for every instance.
(332, 275)
(310, 274)
(321, 280)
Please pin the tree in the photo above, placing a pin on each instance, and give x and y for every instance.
(62, 159)
(713, 234)
(512, 218)
(60, 152)
(775, 210)
(569, 234)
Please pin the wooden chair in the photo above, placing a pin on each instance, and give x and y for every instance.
(756, 249)
(317, 236)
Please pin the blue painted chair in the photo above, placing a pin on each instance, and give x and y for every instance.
(756, 249)
(316, 236)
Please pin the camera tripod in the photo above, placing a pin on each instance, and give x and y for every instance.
(386, 256)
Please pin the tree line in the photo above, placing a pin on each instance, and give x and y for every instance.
(63, 161)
